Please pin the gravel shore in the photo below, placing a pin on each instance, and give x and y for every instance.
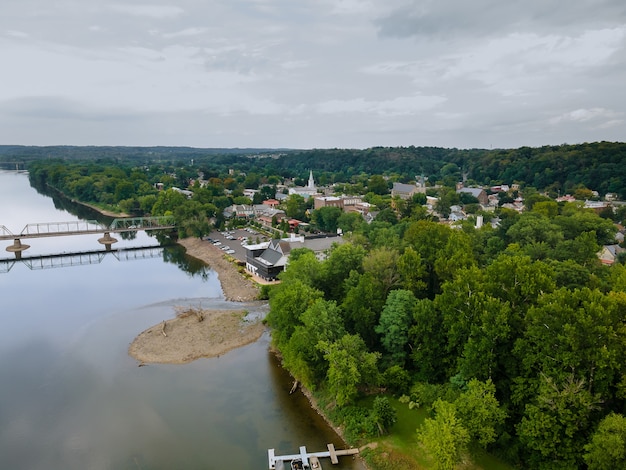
(203, 333)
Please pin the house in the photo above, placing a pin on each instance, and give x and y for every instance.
(249, 193)
(328, 201)
(267, 260)
(242, 211)
(456, 214)
(271, 202)
(596, 206)
(609, 254)
(184, 192)
(405, 191)
(478, 193)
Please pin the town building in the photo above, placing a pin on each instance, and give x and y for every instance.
(267, 260)
(307, 191)
(406, 191)
(478, 193)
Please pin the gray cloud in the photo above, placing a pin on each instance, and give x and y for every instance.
(453, 19)
(312, 73)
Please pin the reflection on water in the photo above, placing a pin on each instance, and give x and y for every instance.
(72, 398)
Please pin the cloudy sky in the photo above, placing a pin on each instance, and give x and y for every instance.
(312, 73)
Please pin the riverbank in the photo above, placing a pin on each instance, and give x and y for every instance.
(236, 286)
(197, 333)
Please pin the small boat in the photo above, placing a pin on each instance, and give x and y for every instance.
(314, 464)
(297, 464)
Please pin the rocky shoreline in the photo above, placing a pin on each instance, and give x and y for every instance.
(236, 286)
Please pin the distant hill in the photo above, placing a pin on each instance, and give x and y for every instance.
(122, 152)
(600, 166)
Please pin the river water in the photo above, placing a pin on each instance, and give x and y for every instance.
(72, 398)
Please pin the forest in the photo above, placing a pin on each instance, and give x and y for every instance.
(510, 337)
(557, 169)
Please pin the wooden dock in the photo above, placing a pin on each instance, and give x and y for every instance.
(276, 461)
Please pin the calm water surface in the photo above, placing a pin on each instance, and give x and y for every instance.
(72, 398)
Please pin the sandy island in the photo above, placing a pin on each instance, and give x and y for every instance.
(196, 333)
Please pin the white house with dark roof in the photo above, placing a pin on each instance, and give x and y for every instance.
(267, 260)
(609, 254)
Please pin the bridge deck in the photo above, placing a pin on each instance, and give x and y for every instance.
(87, 227)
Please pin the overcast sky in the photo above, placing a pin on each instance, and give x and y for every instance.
(312, 73)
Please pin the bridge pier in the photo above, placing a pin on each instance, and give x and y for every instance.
(17, 248)
(107, 240)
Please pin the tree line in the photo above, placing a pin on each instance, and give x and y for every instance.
(559, 169)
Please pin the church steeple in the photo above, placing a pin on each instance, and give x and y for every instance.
(311, 181)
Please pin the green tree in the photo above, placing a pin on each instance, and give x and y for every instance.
(192, 219)
(579, 221)
(574, 332)
(476, 326)
(383, 414)
(456, 255)
(322, 321)
(384, 234)
(548, 209)
(303, 266)
(412, 272)
(295, 207)
(167, 201)
(362, 305)
(350, 221)
(480, 412)
(428, 239)
(377, 185)
(342, 260)
(326, 218)
(607, 448)
(444, 436)
(554, 425)
(124, 190)
(382, 263)
(427, 338)
(532, 228)
(395, 320)
(288, 301)
(350, 367)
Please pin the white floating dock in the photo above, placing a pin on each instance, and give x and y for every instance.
(276, 461)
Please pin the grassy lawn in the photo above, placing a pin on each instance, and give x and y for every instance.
(401, 451)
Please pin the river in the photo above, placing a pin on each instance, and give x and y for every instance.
(72, 398)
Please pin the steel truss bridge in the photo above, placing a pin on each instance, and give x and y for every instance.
(81, 258)
(86, 227)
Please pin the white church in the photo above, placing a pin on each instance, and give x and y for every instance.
(308, 191)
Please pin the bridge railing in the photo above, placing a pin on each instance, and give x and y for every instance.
(142, 223)
(52, 228)
(78, 227)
